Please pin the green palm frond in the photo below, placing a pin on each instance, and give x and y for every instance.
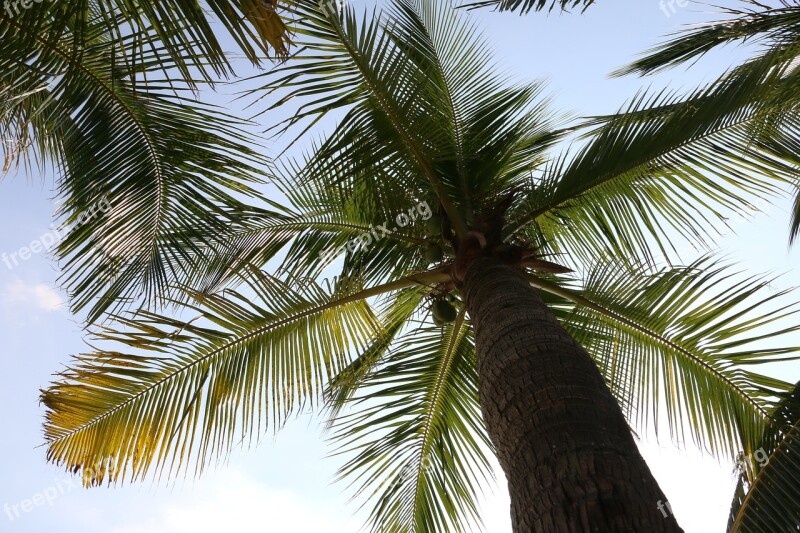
(186, 35)
(496, 132)
(351, 207)
(357, 65)
(432, 117)
(768, 82)
(415, 434)
(321, 226)
(662, 171)
(685, 341)
(767, 497)
(764, 25)
(399, 309)
(172, 170)
(771, 503)
(526, 6)
(190, 389)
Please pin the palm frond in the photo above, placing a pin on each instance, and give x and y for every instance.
(765, 25)
(357, 65)
(494, 132)
(408, 81)
(399, 310)
(418, 446)
(683, 342)
(173, 171)
(186, 35)
(191, 389)
(768, 82)
(767, 497)
(526, 6)
(661, 170)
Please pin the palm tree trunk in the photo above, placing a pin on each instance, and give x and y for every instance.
(561, 438)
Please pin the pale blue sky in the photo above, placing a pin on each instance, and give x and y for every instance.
(285, 484)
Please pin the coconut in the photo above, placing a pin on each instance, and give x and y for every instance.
(444, 311)
(433, 253)
(435, 225)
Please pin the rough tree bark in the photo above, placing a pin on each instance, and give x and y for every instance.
(561, 438)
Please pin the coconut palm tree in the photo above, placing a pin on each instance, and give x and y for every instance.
(494, 295)
(770, 76)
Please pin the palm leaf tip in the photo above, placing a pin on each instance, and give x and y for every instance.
(263, 16)
(526, 6)
(795, 224)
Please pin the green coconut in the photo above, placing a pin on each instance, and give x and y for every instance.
(435, 225)
(433, 253)
(444, 311)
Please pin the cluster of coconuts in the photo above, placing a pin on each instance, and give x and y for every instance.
(433, 251)
(442, 307)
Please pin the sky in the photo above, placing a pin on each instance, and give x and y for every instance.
(285, 484)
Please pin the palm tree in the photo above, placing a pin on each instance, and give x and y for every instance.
(542, 323)
(767, 81)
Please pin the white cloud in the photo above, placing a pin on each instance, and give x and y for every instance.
(39, 295)
(236, 502)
